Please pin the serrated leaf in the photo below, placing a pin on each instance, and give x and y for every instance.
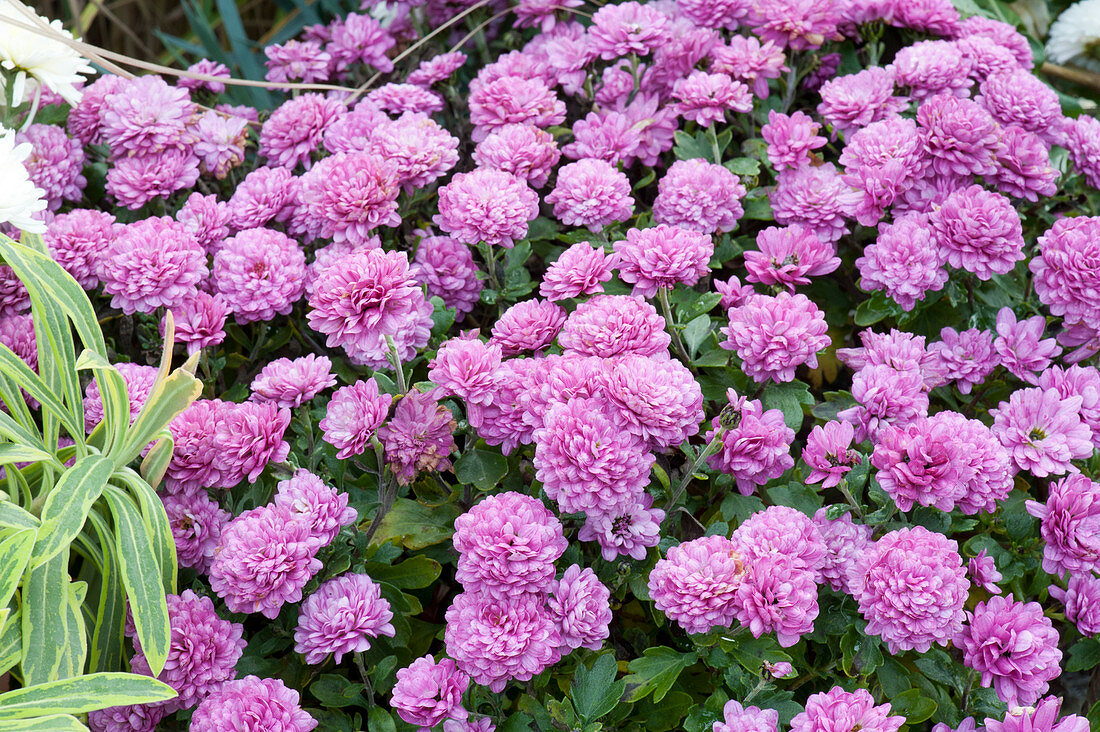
(1084, 654)
(595, 691)
(482, 469)
(411, 574)
(333, 690)
(788, 397)
(415, 525)
(656, 671)
(912, 705)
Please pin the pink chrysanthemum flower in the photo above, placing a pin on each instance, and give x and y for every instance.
(262, 194)
(817, 197)
(777, 597)
(85, 122)
(791, 138)
(979, 231)
(342, 616)
(586, 462)
(351, 194)
(364, 298)
(530, 325)
(322, 507)
(1021, 346)
(265, 558)
(433, 70)
(507, 545)
(705, 98)
(200, 321)
(1023, 166)
(659, 400)
(962, 137)
(1014, 648)
(513, 99)
(144, 115)
(1082, 602)
(203, 651)
(523, 150)
(206, 67)
(789, 256)
(135, 181)
(737, 718)
(983, 573)
(428, 692)
(267, 704)
(495, 640)
(927, 68)
(465, 367)
(967, 357)
(292, 383)
(884, 396)
(421, 149)
(1082, 381)
(1043, 717)
(922, 462)
(612, 325)
(127, 718)
(297, 61)
(798, 24)
(55, 163)
(626, 28)
(845, 541)
(658, 124)
(579, 270)
(447, 268)
(911, 587)
(488, 206)
(988, 472)
(715, 13)
(699, 195)
(857, 100)
(152, 263)
(360, 39)
(1067, 269)
(663, 256)
(904, 261)
(504, 422)
(628, 530)
(696, 584)
(259, 273)
(838, 709)
(197, 523)
(295, 129)
(1043, 431)
(828, 453)
(219, 142)
(756, 448)
(194, 462)
(247, 437)
(1020, 98)
(354, 413)
(401, 98)
(934, 16)
(775, 335)
(1068, 520)
(77, 241)
(580, 604)
(607, 136)
(419, 436)
(785, 533)
(1080, 139)
(591, 193)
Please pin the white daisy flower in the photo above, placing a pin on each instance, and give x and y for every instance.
(1075, 36)
(20, 200)
(45, 60)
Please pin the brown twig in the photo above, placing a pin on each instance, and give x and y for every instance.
(1068, 73)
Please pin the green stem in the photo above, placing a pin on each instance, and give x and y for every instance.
(792, 84)
(666, 310)
(703, 455)
(490, 264)
(843, 486)
(714, 145)
(359, 664)
(756, 690)
(395, 359)
(307, 424)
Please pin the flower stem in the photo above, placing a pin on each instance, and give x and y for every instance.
(363, 674)
(395, 359)
(490, 265)
(703, 455)
(843, 486)
(666, 310)
(756, 690)
(792, 85)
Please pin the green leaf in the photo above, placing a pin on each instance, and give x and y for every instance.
(49, 625)
(166, 401)
(51, 723)
(141, 576)
(379, 720)
(596, 692)
(116, 401)
(938, 666)
(415, 525)
(15, 517)
(482, 469)
(15, 552)
(744, 166)
(656, 672)
(695, 332)
(83, 694)
(333, 690)
(105, 652)
(67, 505)
(788, 397)
(913, 706)
(19, 372)
(11, 453)
(875, 308)
(155, 463)
(411, 574)
(156, 523)
(801, 496)
(860, 655)
(11, 642)
(1084, 654)
(689, 148)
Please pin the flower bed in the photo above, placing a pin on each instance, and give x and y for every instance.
(702, 365)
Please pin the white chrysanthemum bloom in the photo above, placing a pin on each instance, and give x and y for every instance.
(47, 61)
(19, 198)
(1075, 36)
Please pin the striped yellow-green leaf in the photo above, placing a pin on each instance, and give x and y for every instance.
(50, 723)
(11, 642)
(18, 433)
(12, 453)
(156, 523)
(54, 645)
(141, 576)
(105, 652)
(83, 694)
(18, 371)
(116, 402)
(166, 401)
(15, 517)
(155, 462)
(15, 552)
(68, 504)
